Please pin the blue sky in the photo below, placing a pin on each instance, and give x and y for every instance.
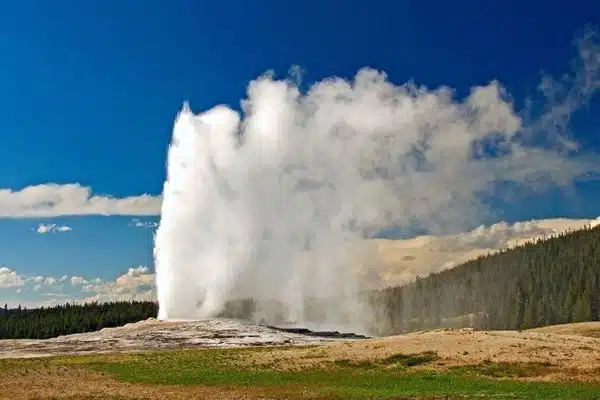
(91, 89)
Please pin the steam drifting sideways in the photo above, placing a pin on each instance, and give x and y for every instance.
(273, 203)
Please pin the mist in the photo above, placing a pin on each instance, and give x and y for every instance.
(274, 203)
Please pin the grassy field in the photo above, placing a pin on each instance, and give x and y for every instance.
(235, 374)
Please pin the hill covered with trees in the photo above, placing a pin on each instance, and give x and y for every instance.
(547, 282)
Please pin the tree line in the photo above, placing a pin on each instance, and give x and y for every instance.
(43, 323)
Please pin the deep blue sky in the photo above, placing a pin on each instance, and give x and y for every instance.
(90, 89)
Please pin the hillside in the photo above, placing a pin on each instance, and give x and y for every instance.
(546, 282)
(589, 329)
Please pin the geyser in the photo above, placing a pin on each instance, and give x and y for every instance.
(274, 202)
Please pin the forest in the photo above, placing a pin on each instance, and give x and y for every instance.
(43, 323)
(546, 282)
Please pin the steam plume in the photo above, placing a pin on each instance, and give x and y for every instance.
(272, 203)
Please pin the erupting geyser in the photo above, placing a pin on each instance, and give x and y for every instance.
(269, 204)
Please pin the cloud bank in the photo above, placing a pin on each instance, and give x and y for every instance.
(54, 200)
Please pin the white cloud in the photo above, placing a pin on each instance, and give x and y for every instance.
(136, 222)
(77, 280)
(53, 200)
(51, 228)
(9, 278)
(136, 272)
(62, 295)
(51, 280)
(136, 284)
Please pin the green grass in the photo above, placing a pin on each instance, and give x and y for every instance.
(391, 378)
(411, 360)
(505, 370)
(396, 360)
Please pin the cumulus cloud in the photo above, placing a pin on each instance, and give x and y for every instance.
(495, 236)
(44, 282)
(136, 222)
(51, 280)
(136, 284)
(36, 279)
(56, 294)
(53, 200)
(52, 228)
(78, 280)
(9, 278)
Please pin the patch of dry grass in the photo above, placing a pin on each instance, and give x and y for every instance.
(572, 358)
(589, 329)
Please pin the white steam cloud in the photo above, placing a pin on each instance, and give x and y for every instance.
(266, 204)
